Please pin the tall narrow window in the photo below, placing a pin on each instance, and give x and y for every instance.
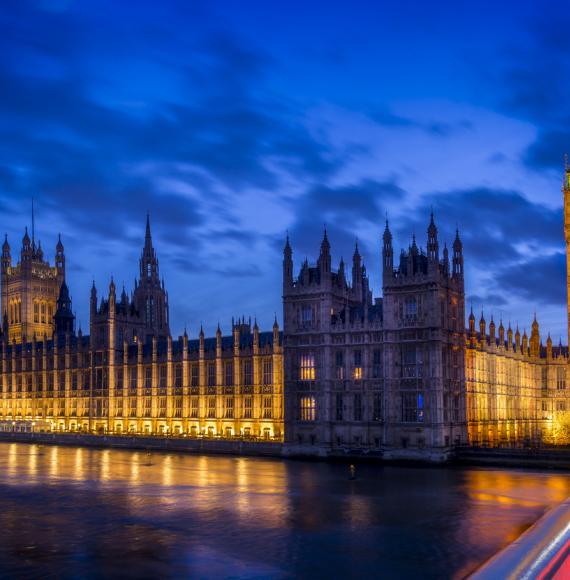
(267, 372)
(307, 364)
(358, 407)
(339, 406)
(211, 375)
(308, 409)
(339, 365)
(267, 407)
(357, 375)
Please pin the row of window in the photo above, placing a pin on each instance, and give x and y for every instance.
(307, 365)
(228, 410)
(412, 410)
(43, 312)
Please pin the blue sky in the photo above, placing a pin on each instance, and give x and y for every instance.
(233, 122)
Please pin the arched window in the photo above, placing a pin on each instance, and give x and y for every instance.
(148, 270)
(36, 312)
(43, 313)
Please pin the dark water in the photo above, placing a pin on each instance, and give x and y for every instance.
(80, 513)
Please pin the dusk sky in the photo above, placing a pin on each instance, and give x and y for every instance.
(233, 122)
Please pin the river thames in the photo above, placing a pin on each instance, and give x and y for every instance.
(86, 513)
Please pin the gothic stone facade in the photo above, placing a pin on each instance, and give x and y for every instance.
(129, 376)
(397, 375)
(30, 289)
(376, 375)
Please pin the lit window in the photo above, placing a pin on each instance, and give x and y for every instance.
(267, 407)
(267, 372)
(307, 367)
(212, 407)
(357, 365)
(247, 407)
(308, 408)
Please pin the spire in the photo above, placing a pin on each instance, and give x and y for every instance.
(325, 255)
(432, 243)
(64, 318)
(147, 236)
(387, 237)
(5, 245)
(387, 251)
(457, 256)
(287, 249)
(287, 264)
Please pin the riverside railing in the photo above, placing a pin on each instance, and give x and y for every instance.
(542, 552)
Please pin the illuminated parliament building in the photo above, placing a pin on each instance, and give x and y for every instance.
(397, 375)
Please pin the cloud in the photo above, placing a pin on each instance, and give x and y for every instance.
(343, 209)
(541, 279)
(494, 224)
(535, 78)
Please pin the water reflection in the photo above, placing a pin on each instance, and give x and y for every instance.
(72, 512)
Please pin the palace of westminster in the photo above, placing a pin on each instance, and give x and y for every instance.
(397, 375)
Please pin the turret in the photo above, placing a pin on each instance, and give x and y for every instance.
(26, 253)
(432, 244)
(324, 261)
(112, 299)
(6, 256)
(492, 340)
(501, 334)
(472, 334)
(483, 329)
(387, 251)
(60, 259)
(457, 256)
(549, 347)
(509, 337)
(517, 340)
(92, 308)
(445, 260)
(287, 265)
(535, 339)
(341, 274)
(357, 272)
(275, 332)
(524, 343)
(64, 319)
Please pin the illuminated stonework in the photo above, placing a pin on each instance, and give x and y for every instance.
(129, 376)
(395, 375)
(30, 290)
(514, 392)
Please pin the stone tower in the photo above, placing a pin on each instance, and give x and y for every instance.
(30, 289)
(150, 297)
(566, 191)
(424, 305)
(143, 316)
